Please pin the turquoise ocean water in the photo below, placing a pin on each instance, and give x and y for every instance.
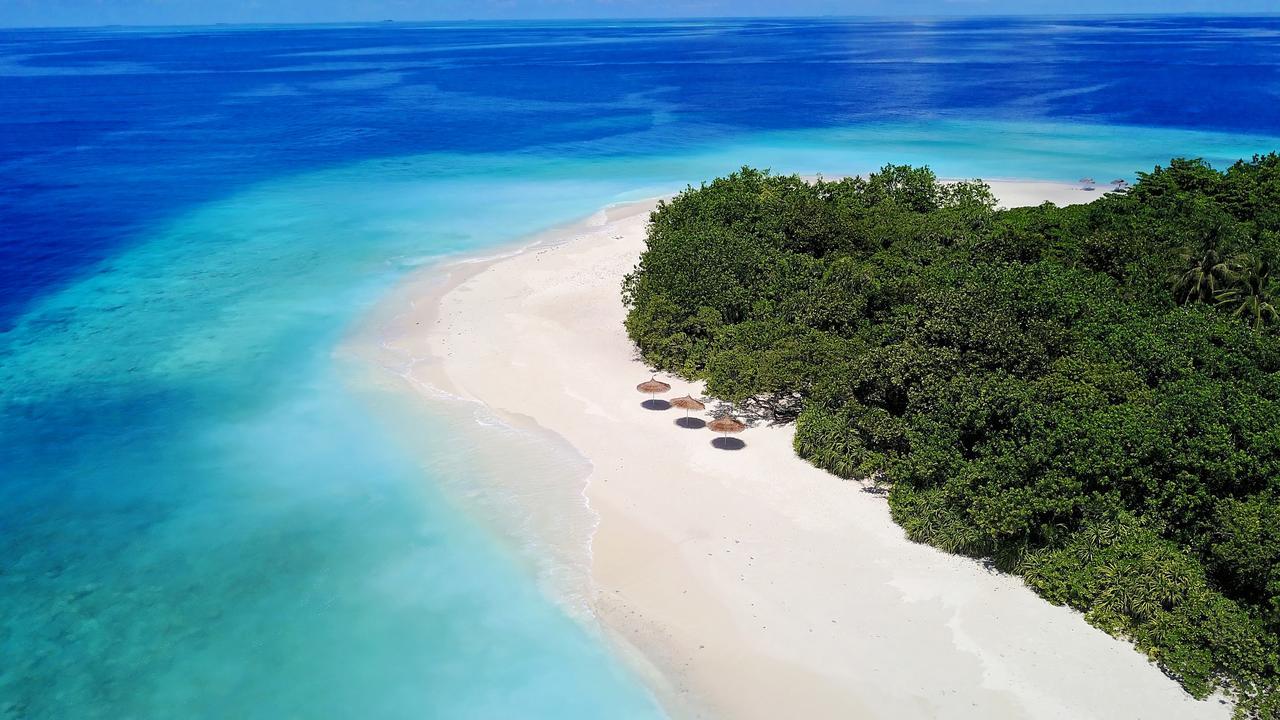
(205, 511)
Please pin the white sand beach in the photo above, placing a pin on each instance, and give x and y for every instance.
(748, 584)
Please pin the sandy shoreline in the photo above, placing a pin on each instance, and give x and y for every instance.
(749, 584)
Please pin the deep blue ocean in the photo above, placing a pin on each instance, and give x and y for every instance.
(205, 508)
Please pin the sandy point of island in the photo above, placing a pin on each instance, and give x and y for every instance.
(749, 584)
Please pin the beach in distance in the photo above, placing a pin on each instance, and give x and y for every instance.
(743, 583)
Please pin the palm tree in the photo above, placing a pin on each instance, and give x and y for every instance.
(1202, 278)
(1252, 295)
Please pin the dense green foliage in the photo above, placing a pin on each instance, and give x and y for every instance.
(1089, 396)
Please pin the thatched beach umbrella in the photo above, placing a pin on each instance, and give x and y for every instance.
(726, 425)
(1087, 182)
(652, 387)
(687, 403)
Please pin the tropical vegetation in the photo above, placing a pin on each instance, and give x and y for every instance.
(1087, 396)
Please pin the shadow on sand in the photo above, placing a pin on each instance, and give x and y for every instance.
(691, 423)
(727, 443)
(655, 404)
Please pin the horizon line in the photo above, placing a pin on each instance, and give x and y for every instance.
(638, 19)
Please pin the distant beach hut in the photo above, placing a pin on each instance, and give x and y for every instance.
(688, 404)
(724, 426)
(652, 387)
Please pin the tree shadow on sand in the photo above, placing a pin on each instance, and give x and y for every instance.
(728, 443)
(691, 423)
(655, 404)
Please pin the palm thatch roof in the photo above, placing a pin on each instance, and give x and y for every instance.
(653, 386)
(727, 424)
(688, 403)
